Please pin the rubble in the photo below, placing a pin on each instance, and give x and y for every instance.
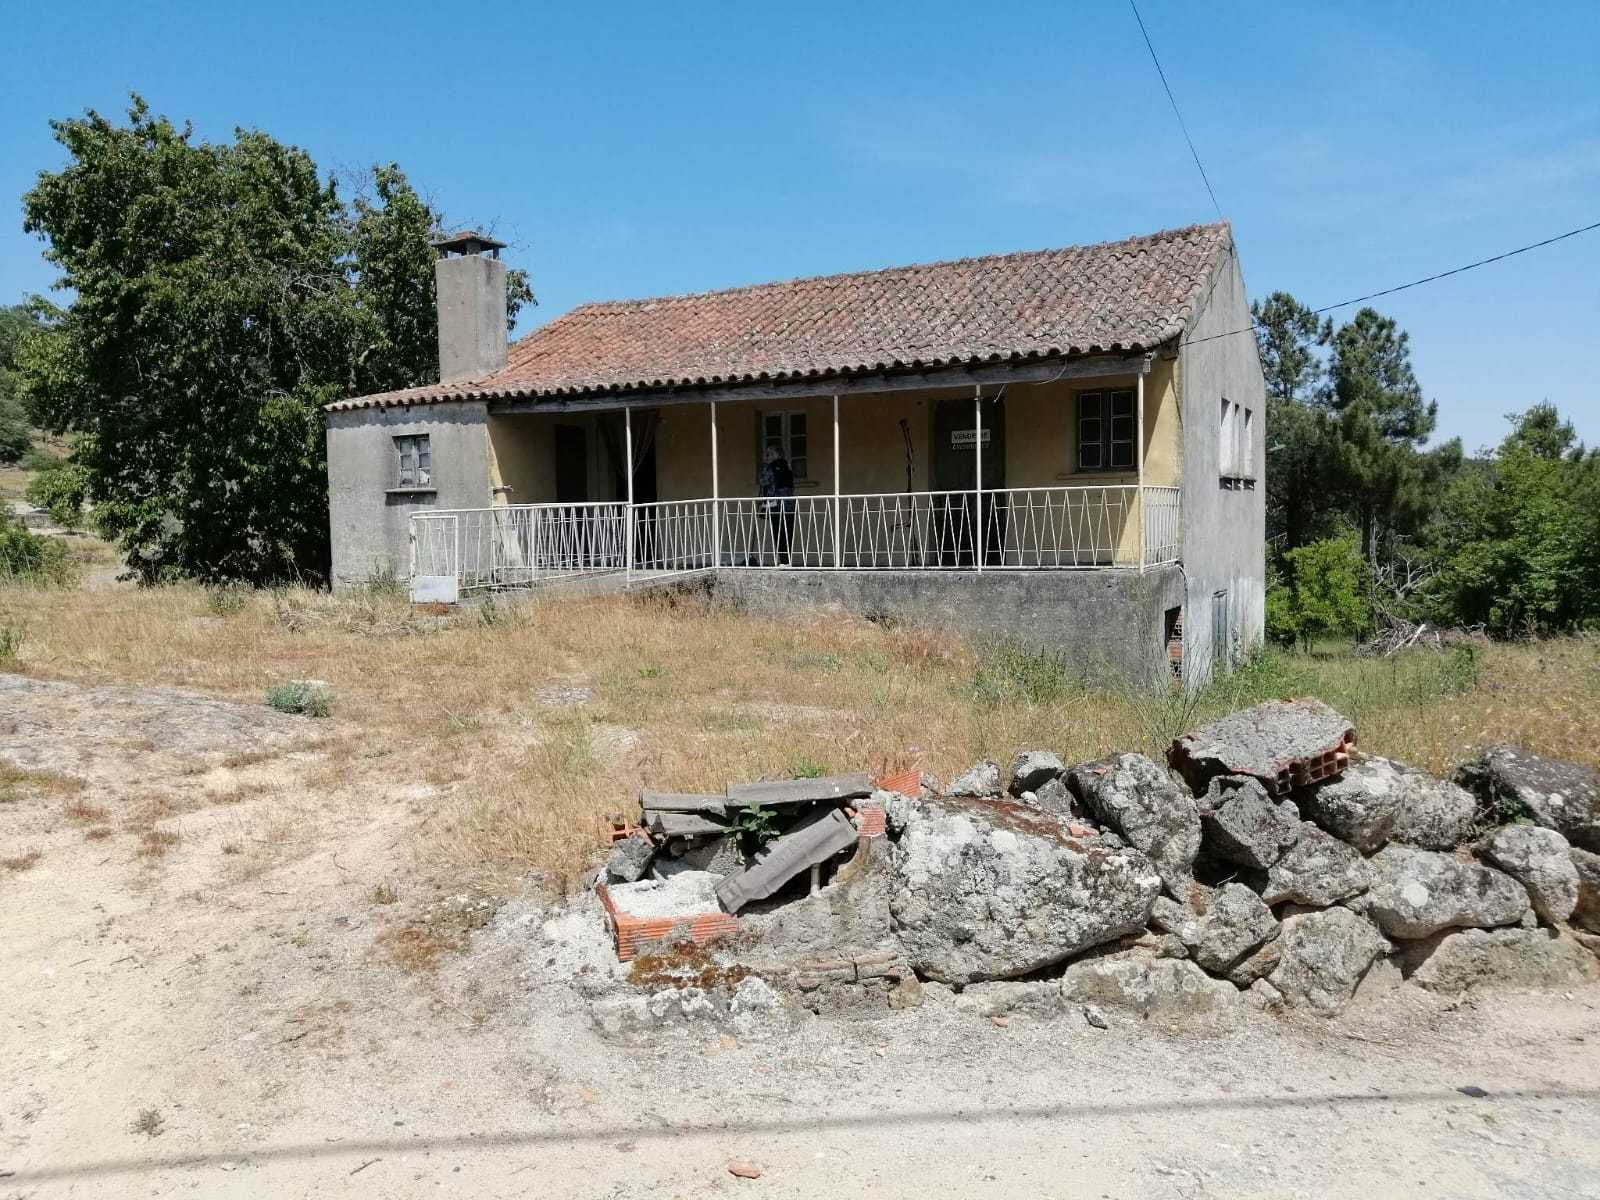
(1032, 769)
(993, 889)
(1317, 870)
(1082, 889)
(1323, 956)
(980, 779)
(1137, 799)
(1244, 825)
(1283, 743)
(1541, 861)
(1416, 893)
(1460, 960)
(1586, 915)
(1558, 795)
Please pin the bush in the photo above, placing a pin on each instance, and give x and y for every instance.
(1322, 593)
(10, 643)
(227, 598)
(61, 488)
(32, 558)
(301, 697)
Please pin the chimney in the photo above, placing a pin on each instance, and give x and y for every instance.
(470, 283)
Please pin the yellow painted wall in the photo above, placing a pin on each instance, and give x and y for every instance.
(522, 455)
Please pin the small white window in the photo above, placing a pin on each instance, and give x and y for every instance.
(1244, 460)
(1225, 438)
(414, 461)
(787, 432)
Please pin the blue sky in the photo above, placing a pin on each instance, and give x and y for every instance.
(635, 149)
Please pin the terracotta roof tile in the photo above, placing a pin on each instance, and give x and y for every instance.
(1117, 296)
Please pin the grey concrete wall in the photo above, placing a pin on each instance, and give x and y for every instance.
(1107, 623)
(1224, 529)
(368, 516)
(471, 293)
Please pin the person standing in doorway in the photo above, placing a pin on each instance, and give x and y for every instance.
(777, 501)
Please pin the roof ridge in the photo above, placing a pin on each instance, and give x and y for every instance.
(600, 306)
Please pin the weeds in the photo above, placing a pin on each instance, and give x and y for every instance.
(382, 893)
(301, 698)
(84, 813)
(227, 599)
(155, 843)
(22, 862)
(11, 637)
(149, 1122)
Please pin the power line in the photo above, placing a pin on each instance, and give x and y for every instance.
(1400, 287)
(1171, 99)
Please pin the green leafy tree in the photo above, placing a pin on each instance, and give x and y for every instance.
(222, 293)
(1518, 539)
(1320, 593)
(16, 438)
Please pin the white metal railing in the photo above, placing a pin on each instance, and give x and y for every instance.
(1022, 529)
(1163, 525)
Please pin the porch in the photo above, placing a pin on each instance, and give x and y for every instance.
(1038, 474)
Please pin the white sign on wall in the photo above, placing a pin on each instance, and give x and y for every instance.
(962, 439)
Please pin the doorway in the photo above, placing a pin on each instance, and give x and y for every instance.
(954, 464)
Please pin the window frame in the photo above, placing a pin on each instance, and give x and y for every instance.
(1105, 441)
(413, 463)
(786, 439)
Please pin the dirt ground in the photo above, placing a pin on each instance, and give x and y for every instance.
(199, 995)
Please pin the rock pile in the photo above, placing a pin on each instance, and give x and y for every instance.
(1267, 862)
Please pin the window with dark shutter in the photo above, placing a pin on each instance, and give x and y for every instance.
(1107, 430)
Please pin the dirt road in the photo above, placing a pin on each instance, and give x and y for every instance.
(215, 1022)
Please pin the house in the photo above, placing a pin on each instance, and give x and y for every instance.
(1064, 447)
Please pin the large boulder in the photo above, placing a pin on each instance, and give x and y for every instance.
(1541, 861)
(630, 859)
(1469, 958)
(1032, 769)
(1587, 913)
(994, 889)
(1559, 795)
(1234, 925)
(1244, 825)
(1163, 988)
(1359, 806)
(1416, 893)
(1140, 801)
(1322, 956)
(1433, 814)
(1318, 870)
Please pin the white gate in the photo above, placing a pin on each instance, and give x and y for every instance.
(435, 557)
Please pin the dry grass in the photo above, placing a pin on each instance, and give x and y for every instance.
(149, 1122)
(416, 948)
(14, 781)
(21, 862)
(687, 696)
(155, 843)
(81, 812)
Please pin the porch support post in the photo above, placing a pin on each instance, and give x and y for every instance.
(1139, 451)
(627, 441)
(716, 495)
(837, 529)
(977, 480)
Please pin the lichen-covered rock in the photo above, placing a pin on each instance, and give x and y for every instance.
(1257, 965)
(1323, 956)
(1563, 796)
(994, 889)
(1244, 825)
(1031, 769)
(1541, 861)
(1432, 814)
(1416, 893)
(1140, 801)
(1586, 915)
(1359, 806)
(1235, 923)
(980, 779)
(1052, 796)
(1164, 988)
(1317, 870)
(1473, 958)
